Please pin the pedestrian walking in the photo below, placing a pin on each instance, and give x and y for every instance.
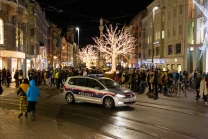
(155, 83)
(197, 83)
(165, 83)
(16, 75)
(23, 98)
(20, 77)
(202, 91)
(8, 77)
(32, 93)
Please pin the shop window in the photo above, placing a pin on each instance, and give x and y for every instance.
(178, 48)
(1, 32)
(170, 49)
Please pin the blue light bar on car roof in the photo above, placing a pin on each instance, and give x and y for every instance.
(95, 75)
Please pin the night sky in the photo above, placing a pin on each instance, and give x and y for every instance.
(85, 14)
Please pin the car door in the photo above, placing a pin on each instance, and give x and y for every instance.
(94, 91)
(79, 88)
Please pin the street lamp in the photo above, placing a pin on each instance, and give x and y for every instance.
(153, 17)
(78, 35)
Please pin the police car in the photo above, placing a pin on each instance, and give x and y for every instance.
(98, 90)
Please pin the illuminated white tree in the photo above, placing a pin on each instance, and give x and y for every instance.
(115, 42)
(205, 26)
(88, 55)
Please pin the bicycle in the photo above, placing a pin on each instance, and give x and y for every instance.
(189, 84)
(176, 89)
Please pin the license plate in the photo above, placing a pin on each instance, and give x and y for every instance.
(131, 99)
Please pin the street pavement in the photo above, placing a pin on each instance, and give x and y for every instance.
(13, 127)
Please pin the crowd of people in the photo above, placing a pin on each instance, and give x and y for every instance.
(160, 81)
(155, 81)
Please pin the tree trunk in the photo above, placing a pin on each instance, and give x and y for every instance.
(88, 65)
(113, 69)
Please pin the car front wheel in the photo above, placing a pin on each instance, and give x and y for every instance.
(70, 98)
(108, 103)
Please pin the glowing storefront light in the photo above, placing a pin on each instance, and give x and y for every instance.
(205, 26)
(12, 54)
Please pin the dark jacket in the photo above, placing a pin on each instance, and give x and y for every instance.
(197, 82)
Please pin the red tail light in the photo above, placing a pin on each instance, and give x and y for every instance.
(64, 87)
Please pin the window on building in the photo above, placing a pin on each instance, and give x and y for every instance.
(170, 49)
(174, 31)
(31, 50)
(168, 15)
(180, 29)
(202, 30)
(1, 32)
(163, 17)
(139, 44)
(32, 33)
(157, 51)
(181, 9)
(32, 10)
(163, 34)
(193, 10)
(174, 12)
(149, 52)
(178, 48)
(168, 33)
(139, 55)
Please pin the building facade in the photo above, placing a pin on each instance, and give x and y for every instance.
(54, 49)
(13, 18)
(66, 53)
(37, 38)
(173, 35)
(136, 24)
(196, 43)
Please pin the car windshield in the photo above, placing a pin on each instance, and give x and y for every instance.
(109, 83)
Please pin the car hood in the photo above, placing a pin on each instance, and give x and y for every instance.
(120, 90)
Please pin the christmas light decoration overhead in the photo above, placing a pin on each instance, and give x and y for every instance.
(115, 42)
(88, 55)
(204, 27)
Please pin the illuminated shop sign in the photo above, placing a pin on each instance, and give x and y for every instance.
(12, 54)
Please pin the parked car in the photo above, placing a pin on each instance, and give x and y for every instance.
(98, 90)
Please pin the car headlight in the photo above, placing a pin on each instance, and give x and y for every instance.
(120, 95)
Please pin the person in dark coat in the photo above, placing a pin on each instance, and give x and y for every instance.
(155, 83)
(16, 75)
(8, 77)
(4, 76)
(197, 83)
